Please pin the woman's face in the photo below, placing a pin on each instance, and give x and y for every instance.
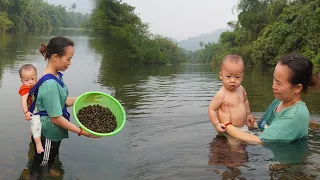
(282, 88)
(63, 62)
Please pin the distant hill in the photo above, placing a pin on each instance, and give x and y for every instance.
(192, 43)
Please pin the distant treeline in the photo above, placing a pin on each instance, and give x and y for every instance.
(266, 30)
(117, 19)
(36, 15)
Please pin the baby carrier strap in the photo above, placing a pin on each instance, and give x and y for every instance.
(34, 92)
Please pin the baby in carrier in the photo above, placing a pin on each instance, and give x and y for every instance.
(28, 76)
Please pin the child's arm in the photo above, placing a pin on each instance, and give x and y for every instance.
(27, 114)
(250, 118)
(212, 112)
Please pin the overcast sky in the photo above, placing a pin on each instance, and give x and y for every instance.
(178, 19)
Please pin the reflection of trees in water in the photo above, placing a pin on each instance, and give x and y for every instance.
(17, 47)
(56, 171)
(258, 84)
(14, 45)
(118, 73)
(23, 47)
(72, 33)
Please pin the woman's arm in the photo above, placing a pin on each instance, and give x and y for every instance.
(250, 138)
(52, 104)
(70, 101)
(224, 117)
(65, 124)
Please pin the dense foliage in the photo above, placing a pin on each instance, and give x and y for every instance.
(268, 29)
(37, 15)
(265, 30)
(117, 19)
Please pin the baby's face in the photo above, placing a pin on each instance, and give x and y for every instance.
(231, 75)
(29, 77)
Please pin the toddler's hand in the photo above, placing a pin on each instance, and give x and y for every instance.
(27, 116)
(220, 127)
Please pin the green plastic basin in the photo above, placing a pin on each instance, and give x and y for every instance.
(102, 99)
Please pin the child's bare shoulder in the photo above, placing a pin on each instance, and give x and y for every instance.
(219, 96)
(243, 91)
(242, 88)
(221, 92)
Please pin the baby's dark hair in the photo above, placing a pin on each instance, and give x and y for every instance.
(233, 58)
(301, 71)
(56, 45)
(26, 67)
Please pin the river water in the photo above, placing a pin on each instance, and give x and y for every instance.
(167, 134)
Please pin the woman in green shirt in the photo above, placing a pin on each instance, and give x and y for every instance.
(52, 99)
(287, 117)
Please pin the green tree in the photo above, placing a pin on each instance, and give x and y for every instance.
(5, 23)
(37, 15)
(268, 29)
(201, 44)
(73, 6)
(117, 19)
(295, 31)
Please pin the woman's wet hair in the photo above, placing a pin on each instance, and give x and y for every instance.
(302, 71)
(56, 45)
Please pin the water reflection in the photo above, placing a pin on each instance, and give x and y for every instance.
(295, 152)
(56, 171)
(294, 161)
(229, 157)
(127, 80)
(222, 153)
(285, 161)
(74, 33)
